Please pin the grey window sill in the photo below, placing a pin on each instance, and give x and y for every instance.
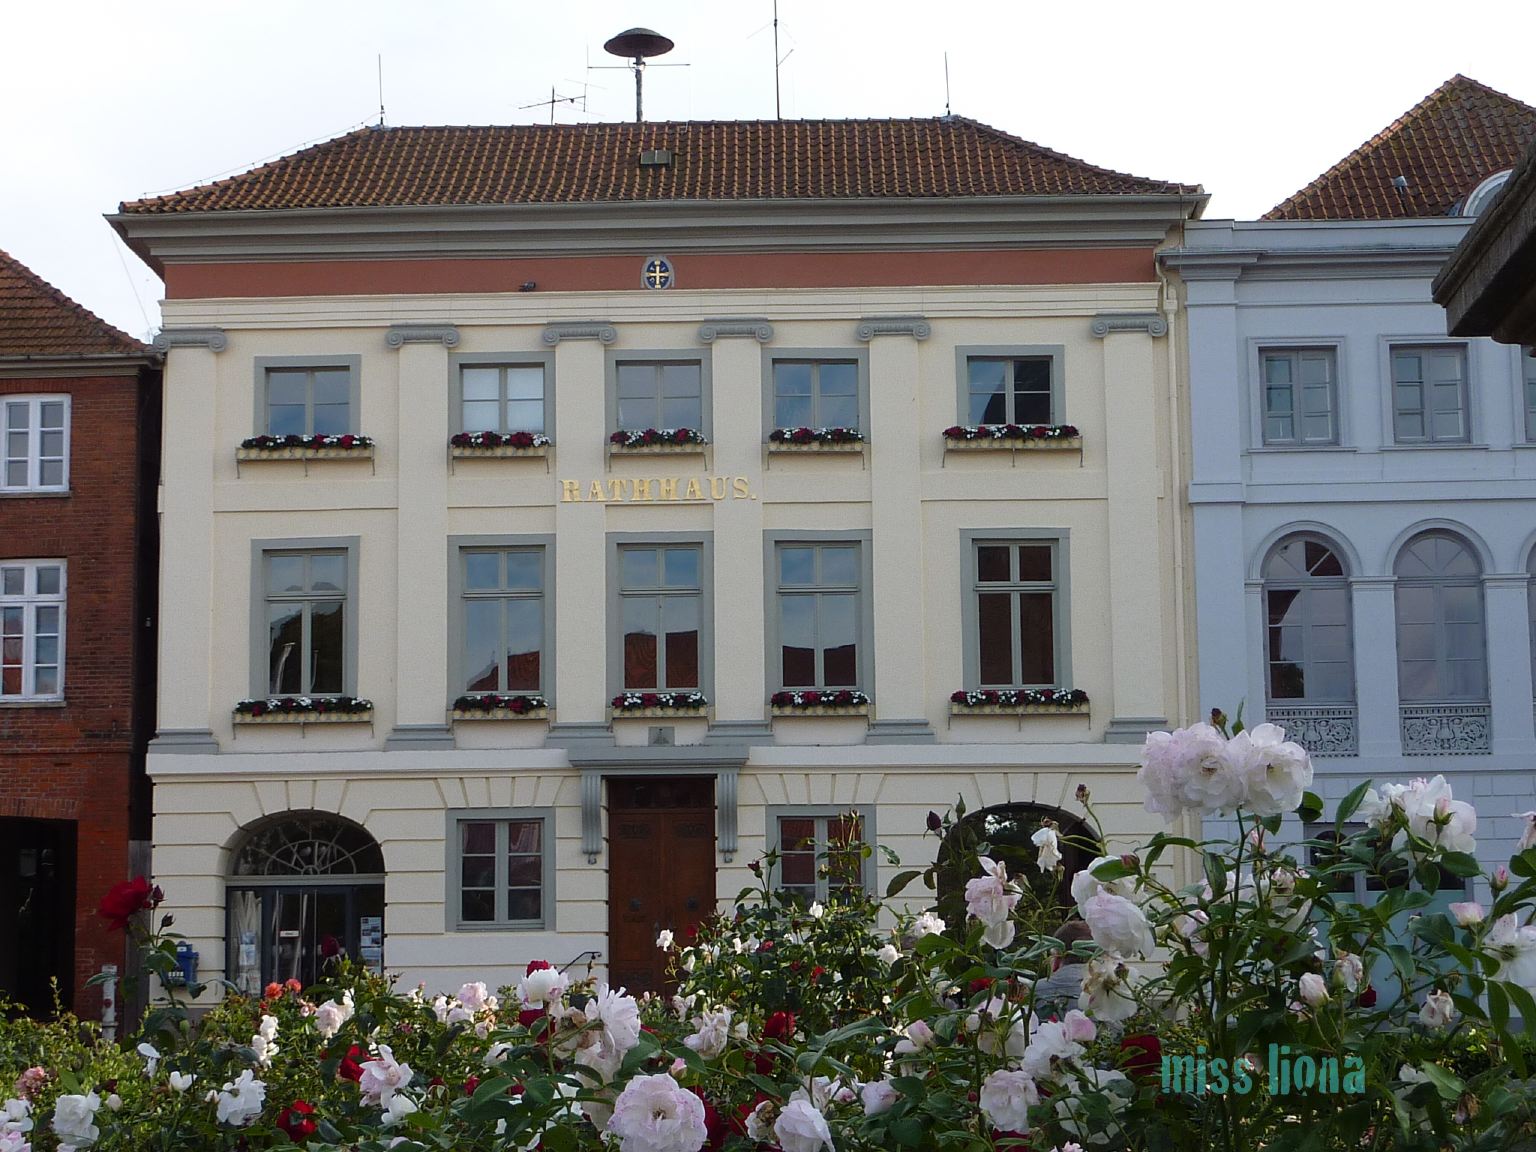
(1444, 446)
(31, 494)
(1265, 449)
(39, 702)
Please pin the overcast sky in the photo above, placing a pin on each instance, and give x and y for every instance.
(102, 102)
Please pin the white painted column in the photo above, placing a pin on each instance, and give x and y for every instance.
(581, 651)
(740, 692)
(1507, 608)
(1133, 483)
(188, 472)
(1374, 607)
(897, 512)
(421, 534)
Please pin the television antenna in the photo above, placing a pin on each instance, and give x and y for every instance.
(637, 45)
(579, 103)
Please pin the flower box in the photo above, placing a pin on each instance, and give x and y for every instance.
(1018, 710)
(650, 705)
(330, 452)
(500, 706)
(657, 442)
(1018, 702)
(702, 711)
(846, 447)
(467, 444)
(820, 710)
(820, 702)
(304, 710)
(998, 444)
(816, 440)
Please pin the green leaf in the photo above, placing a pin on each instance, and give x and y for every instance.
(1498, 1006)
(908, 1132)
(1523, 1002)
(899, 882)
(1523, 863)
(1216, 874)
(1351, 803)
(1446, 1083)
(1113, 869)
(558, 1138)
(1311, 809)
(1402, 962)
(1461, 864)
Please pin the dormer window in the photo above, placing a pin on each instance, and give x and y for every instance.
(1485, 194)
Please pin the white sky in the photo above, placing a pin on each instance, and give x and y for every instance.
(102, 102)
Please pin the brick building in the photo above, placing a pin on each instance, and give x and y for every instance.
(79, 457)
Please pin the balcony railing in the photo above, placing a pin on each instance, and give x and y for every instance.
(1322, 731)
(1446, 729)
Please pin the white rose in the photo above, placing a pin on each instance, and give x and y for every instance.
(383, 1075)
(74, 1118)
(888, 954)
(1002, 1028)
(1276, 771)
(816, 910)
(476, 996)
(1049, 1045)
(181, 1081)
(1528, 833)
(1515, 946)
(16, 1117)
(1314, 993)
(1190, 769)
(654, 1114)
(1118, 925)
(1348, 971)
(241, 1100)
(396, 1108)
(664, 940)
(1049, 845)
(1468, 913)
(877, 1096)
(1085, 886)
(759, 1122)
(801, 1128)
(151, 1056)
(1006, 1098)
(990, 898)
(714, 1032)
(1438, 1010)
(928, 924)
(542, 986)
(1108, 990)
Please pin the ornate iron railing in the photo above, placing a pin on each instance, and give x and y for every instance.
(1446, 729)
(1322, 731)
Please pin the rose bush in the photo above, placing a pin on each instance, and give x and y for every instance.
(860, 1023)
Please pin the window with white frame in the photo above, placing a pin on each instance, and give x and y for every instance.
(820, 610)
(1429, 394)
(659, 394)
(501, 398)
(822, 854)
(31, 629)
(500, 869)
(1528, 378)
(308, 400)
(816, 394)
(1440, 640)
(1308, 649)
(1016, 595)
(503, 620)
(661, 610)
(1300, 404)
(306, 622)
(34, 434)
(1010, 390)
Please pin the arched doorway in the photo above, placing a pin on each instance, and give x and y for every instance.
(303, 888)
(1003, 833)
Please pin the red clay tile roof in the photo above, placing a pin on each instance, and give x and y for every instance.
(37, 320)
(1445, 146)
(716, 160)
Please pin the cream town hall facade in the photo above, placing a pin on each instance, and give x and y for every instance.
(460, 665)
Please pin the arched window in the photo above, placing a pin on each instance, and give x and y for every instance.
(1440, 621)
(1484, 194)
(304, 888)
(1003, 833)
(1530, 566)
(1309, 654)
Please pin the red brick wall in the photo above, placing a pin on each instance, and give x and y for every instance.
(75, 761)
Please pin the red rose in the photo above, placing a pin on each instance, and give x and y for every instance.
(123, 901)
(351, 1067)
(816, 973)
(537, 966)
(528, 1017)
(1367, 999)
(272, 991)
(470, 1084)
(294, 1120)
(1141, 1054)
(714, 1125)
(779, 1026)
(981, 984)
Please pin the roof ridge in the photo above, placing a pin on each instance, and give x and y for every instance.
(55, 296)
(1049, 151)
(1362, 152)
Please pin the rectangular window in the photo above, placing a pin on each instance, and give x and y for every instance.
(821, 853)
(820, 614)
(34, 434)
(1429, 394)
(816, 394)
(1528, 375)
(500, 869)
(659, 394)
(1015, 587)
(503, 620)
(306, 622)
(31, 629)
(661, 611)
(1009, 390)
(501, 398)
(1299, 396)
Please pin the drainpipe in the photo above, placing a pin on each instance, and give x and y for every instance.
(109, 1002)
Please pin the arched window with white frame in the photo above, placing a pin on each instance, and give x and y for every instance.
(1309, 662)
(1442, 666)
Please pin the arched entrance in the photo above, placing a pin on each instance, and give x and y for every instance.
(1003, 833)
(303, 888)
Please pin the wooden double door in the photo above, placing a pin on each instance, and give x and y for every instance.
(661, 872)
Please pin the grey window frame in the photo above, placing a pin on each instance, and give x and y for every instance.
(29, 602)
(453, 868)
(858, 356)
(1305, 587)
(705, 543)
(34, 457)
(1061, 605)
(1429, 438)
(613, 358)
(1526, 355)
(458, 361)
(965, 353)
(773, 664)
(824, 812)
(1441, 660)
(457, 546)
(1295, 353)
(353, 365)
(260, 656)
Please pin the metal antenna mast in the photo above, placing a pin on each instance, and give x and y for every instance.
(381, 89)
(637, 45)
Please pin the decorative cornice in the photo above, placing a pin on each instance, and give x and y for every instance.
(599, 330)
(189, 741)
(399, 334)
(418, 737)
(1152, 323)
(916, 327)
(756, 327)
(213, 339)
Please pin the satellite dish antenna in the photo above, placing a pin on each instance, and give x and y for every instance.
(636, 45)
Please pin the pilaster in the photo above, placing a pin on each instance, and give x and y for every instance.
(1373, 604)
(580, 620)
(1509, 662)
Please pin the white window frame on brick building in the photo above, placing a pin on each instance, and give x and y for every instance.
(32, 595)
(34, 439)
